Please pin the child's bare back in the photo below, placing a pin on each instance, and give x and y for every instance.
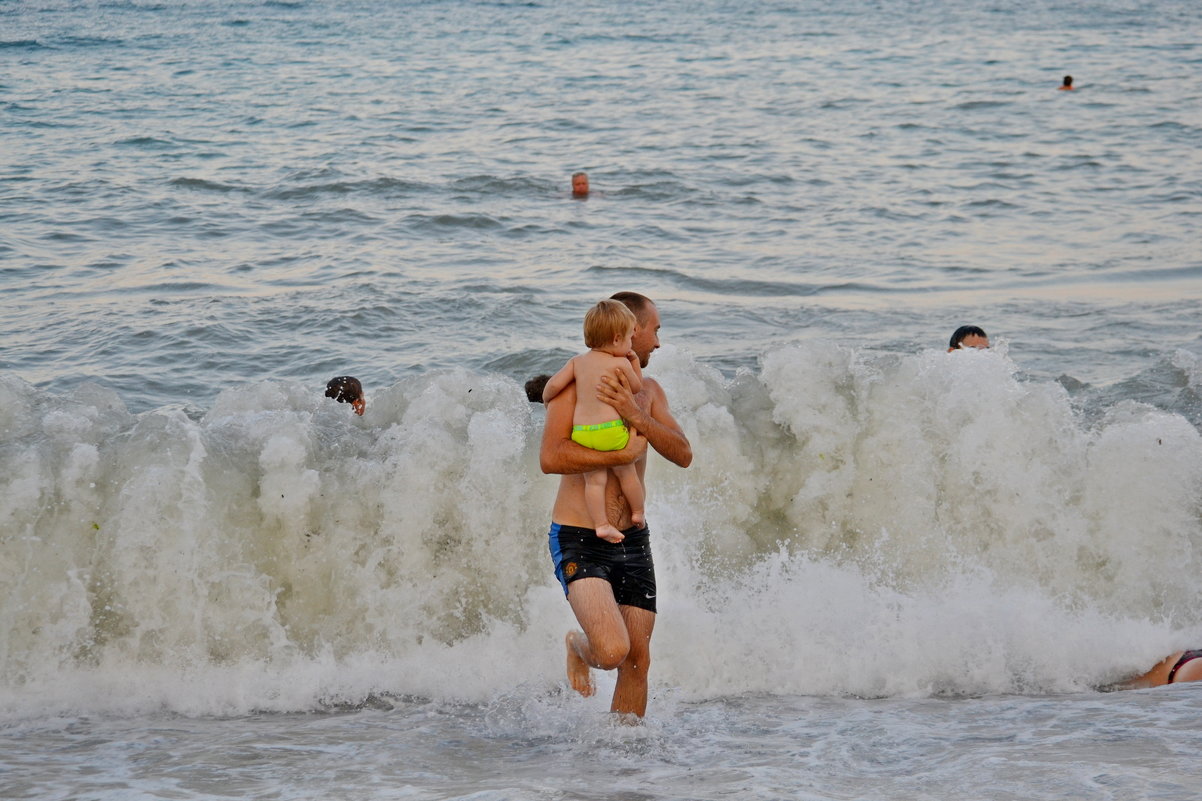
(589, 367)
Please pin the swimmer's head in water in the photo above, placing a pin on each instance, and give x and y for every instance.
(579, 184)
(535, 386)
(968, 336)
(347, 389)
(1068, 82)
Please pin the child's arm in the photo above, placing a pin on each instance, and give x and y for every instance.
(560, 381)
(634, 373)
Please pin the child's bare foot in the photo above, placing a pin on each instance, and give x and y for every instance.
(638, 518)
(579, 676)
(610, 534)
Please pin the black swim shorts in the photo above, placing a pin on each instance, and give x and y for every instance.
(627, 566)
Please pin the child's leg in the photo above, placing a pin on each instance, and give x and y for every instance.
(632, 489)
(594, 499)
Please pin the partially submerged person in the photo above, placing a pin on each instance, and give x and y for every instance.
(347, 389)
(608, 331)
(610, 587)
(968, 336)
(579, 184)
(1068, 84)
(1173, 669)
(534, 388)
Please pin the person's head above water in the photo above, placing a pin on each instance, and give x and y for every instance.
(579, 184)
(534, 388)
(347, 389)
(968, 336)
(1068, 82)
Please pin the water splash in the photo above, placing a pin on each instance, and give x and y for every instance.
(852, 524)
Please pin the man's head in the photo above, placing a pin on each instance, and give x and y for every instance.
(579, 184)
(968, 336)
(606, 323)
(1068, 82)
(347, 389)
(646, 324)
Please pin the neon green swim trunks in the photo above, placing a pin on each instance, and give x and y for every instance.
(611, 436)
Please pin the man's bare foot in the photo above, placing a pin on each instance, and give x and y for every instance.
(638, 518)
(579, 676)
(610, 534)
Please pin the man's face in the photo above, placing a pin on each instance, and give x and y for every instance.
(646, 335)
(579, 184)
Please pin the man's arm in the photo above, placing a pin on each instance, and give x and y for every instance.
(559, 454)
(656, 423)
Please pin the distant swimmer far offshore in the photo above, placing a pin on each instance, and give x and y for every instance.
(1068, 83)
(579, 184)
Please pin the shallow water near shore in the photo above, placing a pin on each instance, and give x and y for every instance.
(1120, 745)
(890, 573)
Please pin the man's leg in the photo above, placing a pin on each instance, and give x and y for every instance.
(604, 643)
(630, 696)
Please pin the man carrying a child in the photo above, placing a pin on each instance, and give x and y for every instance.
(610, 586)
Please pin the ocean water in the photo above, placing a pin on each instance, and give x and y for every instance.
(890, 573)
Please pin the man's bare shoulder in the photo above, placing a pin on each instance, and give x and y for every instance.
(653, 391)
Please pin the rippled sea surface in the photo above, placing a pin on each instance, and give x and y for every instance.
(209, 208)
(204, 194)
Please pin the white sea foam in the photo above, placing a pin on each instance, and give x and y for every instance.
(852, 524)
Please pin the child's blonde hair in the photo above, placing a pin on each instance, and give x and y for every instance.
(607, 321)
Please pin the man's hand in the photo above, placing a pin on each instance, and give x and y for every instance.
(559, 454)
(655, 422)
(636, 447)
(614, 389)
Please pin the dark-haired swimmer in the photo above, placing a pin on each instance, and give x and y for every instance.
(1067, 86)
(610, 587)
(534, 388)
(1173, 669)
(968, 336)
(347, 389)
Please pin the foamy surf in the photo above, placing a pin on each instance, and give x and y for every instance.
(853, 524)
